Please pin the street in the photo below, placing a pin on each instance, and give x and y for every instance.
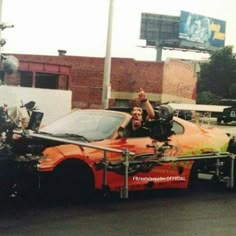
(202, 211)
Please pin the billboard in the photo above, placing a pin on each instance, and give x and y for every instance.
(159, 29)
(201, 30)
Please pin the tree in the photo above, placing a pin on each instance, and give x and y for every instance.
(232, 91)
(207, 97)
(218, 76)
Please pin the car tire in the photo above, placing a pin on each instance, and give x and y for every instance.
(72, 180)
(226, 121)
(193, 178)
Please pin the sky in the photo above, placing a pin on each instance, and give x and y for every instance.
(80, 26)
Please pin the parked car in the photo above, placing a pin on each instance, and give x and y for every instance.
(184, 114)
(89, 150)
(228, 115)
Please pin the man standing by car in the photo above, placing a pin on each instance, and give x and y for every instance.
(136, 128)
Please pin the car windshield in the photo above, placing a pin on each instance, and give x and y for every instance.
(90, 125)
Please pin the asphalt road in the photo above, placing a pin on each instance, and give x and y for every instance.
(206, 210)
(202, 211)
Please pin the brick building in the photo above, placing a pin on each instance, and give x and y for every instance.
(172, 80)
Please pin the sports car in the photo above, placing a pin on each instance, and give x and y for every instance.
(90, 150)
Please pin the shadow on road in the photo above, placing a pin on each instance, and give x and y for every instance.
(203, 190)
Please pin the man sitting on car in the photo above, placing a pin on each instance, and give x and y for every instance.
(136, 128)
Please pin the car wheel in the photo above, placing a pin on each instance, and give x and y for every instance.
(225, 121)
(71, 180)
(193, 179)
(232, 145)
(6, 186)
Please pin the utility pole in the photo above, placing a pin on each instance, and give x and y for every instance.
(10, 64)
(0, 29)
(106, 90)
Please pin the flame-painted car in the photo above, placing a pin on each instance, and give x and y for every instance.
(173, 156)
(90, 150)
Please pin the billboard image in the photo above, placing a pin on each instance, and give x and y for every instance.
(201, 29)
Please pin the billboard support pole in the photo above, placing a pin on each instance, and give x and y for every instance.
(158, 51)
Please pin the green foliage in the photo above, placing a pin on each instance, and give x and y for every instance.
(207, 97)
(218, 76)
(232, 91)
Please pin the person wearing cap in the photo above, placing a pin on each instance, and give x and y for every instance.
(136, 128)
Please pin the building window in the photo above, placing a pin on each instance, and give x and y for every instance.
(43, 80)
(49, 81)
(26, 79)
(121, 103)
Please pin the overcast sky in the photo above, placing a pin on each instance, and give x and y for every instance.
(80, 26)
